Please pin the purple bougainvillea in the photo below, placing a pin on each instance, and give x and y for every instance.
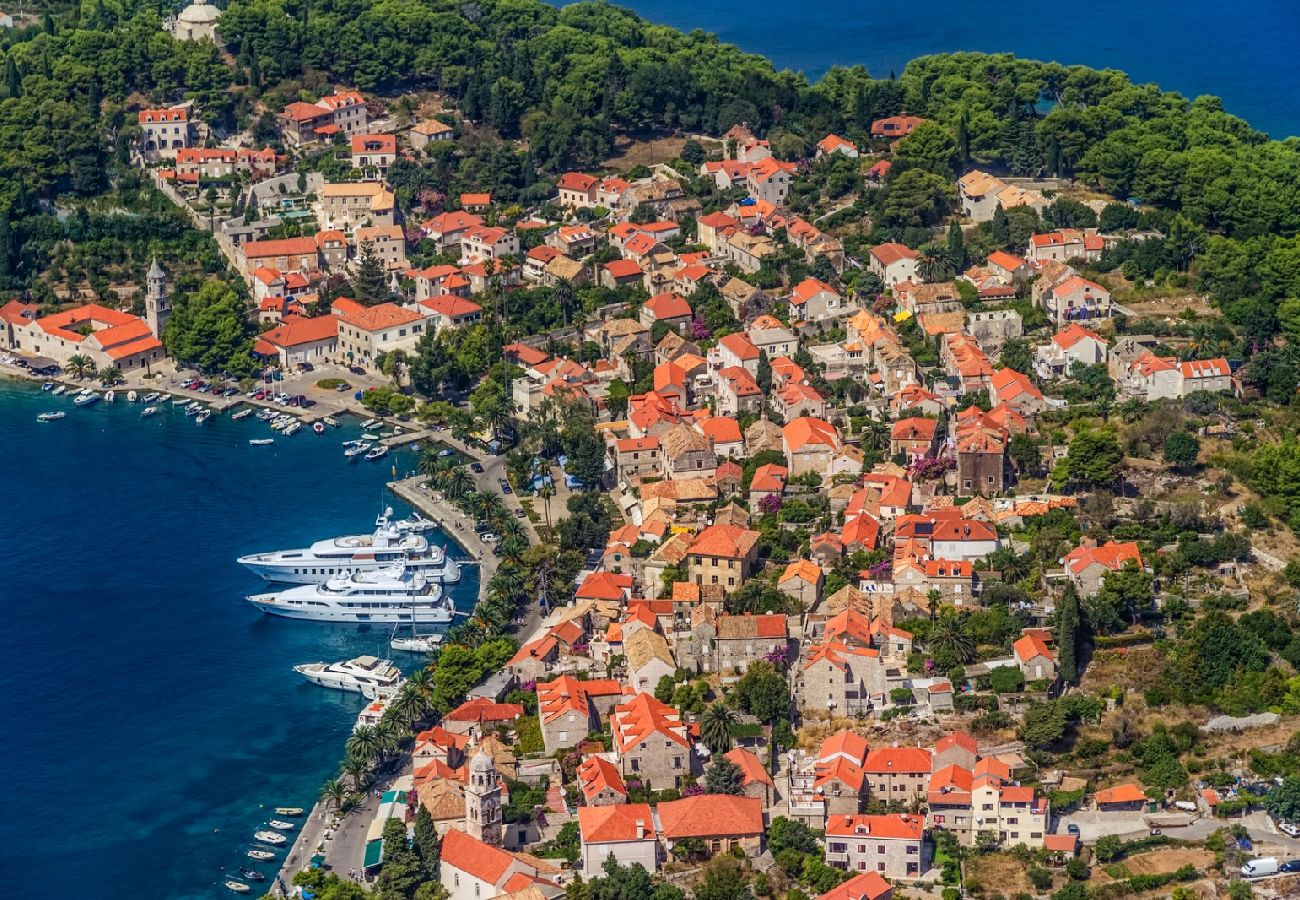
(770, 504)
(700, 331)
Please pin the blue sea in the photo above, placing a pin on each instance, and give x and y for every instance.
(151, 716)
(1243, 52)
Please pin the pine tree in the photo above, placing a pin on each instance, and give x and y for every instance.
(1067, 634)
(254, 72)
(956, 247)
(723, 777)
(371, 282)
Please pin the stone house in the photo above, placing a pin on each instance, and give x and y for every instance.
(625, 832)
(651, 743)
(891, 845)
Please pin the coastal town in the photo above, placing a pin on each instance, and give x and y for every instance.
(860, 514)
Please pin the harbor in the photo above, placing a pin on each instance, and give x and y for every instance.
(247, 731)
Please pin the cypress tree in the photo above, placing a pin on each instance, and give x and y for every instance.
(956, 247)
(14, 80)
(1001, 226)
(6, 246)
(1067, 634)
(963, 140)
(370, 283)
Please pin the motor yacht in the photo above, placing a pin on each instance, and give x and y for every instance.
(50, 416)
(396, 595)
(87, 398)
(386, 545)
(365, 675)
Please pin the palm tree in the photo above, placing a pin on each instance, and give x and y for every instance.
(715, 727)
(932, 263)
(389, 736)
(421, 681)
(546, 493)
(496, 417)
(513, 529)
(333, 793)
(365, 744)
(933, 597)
(459, 483)
(110, 376)
(80, 366)
(951, 634)
(358, 770)
(406, 707)
(512, 546)
(432, 463)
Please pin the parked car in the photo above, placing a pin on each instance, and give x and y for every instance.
(1243, 843)
(343, 386)
(1290, 829)
(476, 468)
(1291, 865)
(520, 514)
(1072, 829)
(489, 538)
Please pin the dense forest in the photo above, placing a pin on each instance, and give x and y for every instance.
(567, 80)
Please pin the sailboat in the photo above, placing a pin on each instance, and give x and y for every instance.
(416, 643)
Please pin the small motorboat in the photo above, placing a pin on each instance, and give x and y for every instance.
(270, 837)
(418, 643)
(288, 810)
(331, 421)
(261, 442)
(377, 453)
(266, 415)
(132, 396)
(203, 417)
(50, 416)
(318, 427)
(260, 854)
(48, 386)
(292, 428)
(281, 825)
(193, 408)
(87, 398)
(357, 450)
(251, 874)
(242, 414)
(370, 437)
(148, 411)
(237, 886)
(181, 401)
(279, 425)
(58, 389)
(110, 396)
(151, 397)
(368, 423)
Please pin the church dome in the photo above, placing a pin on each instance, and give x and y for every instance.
(482, 762)
(199, 14)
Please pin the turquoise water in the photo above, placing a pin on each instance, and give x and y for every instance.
(148, 709)
(1243, 52)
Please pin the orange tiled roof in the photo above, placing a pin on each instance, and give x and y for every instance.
(724, 541)
(711, 815)
(596, 774)
(615, 824)
(895, 827)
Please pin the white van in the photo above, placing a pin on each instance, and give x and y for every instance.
(1258, 868)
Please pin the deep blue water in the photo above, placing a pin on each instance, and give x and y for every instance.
(149, 710)
(1243, 52)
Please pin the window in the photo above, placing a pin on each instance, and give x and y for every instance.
(880, 866)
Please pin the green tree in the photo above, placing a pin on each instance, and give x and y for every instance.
(370, 281)
(1182, 449)
(915, 198)
(724, 879)
(715, 727)
(931, 147)
(210, 331)
(1044, 724)
(1068, 626)
(1122, 594)
(1006, 680)
(951, 636)
(762, 692)
(428, 846)
(723, 777)
(1283, 803)
(956, 247)
(1093, 458)
(403, 869)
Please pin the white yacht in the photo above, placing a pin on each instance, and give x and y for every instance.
(388, 544)
(365, 675)
(397, 595)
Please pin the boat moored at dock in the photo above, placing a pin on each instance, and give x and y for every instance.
(396, 595)
(366, 675)
(387, 545)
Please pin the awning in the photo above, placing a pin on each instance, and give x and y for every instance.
(374, 854)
